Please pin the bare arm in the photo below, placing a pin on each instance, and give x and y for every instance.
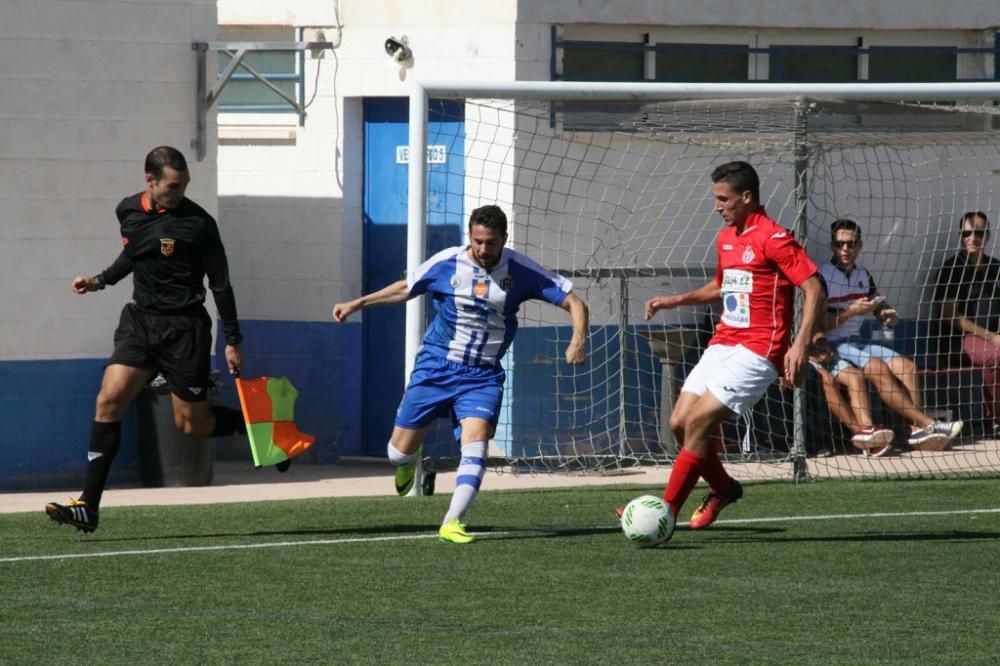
(858, 308)
(576, 351)
(951, 314)
(812, 313)
(397, 292)
(709, 293)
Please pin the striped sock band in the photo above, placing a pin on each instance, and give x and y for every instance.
(470, 475)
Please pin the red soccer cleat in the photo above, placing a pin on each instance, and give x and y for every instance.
(712, 505)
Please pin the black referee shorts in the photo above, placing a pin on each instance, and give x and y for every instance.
(177, 345)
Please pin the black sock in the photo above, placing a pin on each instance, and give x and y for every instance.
(105, 440)
(228, 421)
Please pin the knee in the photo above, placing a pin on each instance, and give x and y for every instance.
(677, 426)
(108, 407)
(185, 424)
(695, 426)
(874, 368)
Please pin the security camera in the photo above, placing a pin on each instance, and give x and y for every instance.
(397, 49)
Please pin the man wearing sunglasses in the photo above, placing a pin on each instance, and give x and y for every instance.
(968, 294)
(853, 296)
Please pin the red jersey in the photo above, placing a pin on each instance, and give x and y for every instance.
(758, 271)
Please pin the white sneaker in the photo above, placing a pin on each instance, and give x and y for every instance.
(928, 439)
(950, 429)
(872, 436)
(878, 451)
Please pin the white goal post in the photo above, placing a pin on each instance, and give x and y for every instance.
(586, 172)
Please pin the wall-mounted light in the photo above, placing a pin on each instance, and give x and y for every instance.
(397, 49)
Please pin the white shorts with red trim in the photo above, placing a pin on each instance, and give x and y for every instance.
(733, 374)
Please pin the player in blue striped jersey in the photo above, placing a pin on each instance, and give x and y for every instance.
(477, 291)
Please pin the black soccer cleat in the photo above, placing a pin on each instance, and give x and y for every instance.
(77, 513)
(283, 465)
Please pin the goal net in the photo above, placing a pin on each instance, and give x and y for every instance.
(614, 193)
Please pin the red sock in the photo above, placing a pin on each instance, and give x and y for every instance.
(719, 481)
(683, 477)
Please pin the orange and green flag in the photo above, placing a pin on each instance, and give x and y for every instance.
(269, 411)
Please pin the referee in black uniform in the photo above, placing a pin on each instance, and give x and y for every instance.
(169, 245)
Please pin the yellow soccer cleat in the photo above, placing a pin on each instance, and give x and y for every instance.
(454, 532)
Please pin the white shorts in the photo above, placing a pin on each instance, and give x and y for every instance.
(834, 368)
(734, 375)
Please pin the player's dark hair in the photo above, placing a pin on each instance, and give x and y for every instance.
(492, 217)
(162, 157)
(846, 224)
(971, 217)
(740, 176)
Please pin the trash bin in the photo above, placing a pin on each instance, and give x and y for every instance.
(168, 457)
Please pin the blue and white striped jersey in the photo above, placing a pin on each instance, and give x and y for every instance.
(476, 309)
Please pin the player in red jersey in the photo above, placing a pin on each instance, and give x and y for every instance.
(759, 264)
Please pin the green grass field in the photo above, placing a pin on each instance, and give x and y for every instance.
(821, 573)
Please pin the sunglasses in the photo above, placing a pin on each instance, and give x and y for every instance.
(848, 244)
(980, 233)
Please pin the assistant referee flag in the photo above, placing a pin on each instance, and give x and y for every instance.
(269, 411)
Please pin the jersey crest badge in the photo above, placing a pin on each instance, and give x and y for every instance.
(166, 246)
(748, 255)
(455, 282)
(506, 283)
(481, 288)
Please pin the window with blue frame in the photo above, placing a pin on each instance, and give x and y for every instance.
(903, 64)
(813, 64)
(581, 60)
(702, 63)
(603, 62)
(591, 60)
(245, 93)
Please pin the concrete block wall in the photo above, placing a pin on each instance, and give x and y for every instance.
(87, 87)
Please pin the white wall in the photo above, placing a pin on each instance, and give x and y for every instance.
(317, 179)
(87, 87)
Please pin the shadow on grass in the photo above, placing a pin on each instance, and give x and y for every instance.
(376, 530)
(482, 532)
(754, 535)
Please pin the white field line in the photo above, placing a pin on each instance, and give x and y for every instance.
(413, 537)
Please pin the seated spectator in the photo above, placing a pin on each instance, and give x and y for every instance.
(856, 412)
(852, 296)
(968, 294)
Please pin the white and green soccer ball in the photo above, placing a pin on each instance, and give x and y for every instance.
(647, 521)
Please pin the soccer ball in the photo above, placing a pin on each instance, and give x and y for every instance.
(647, 521)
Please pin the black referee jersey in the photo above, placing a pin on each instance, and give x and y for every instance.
(169, 253)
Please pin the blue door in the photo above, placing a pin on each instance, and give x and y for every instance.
(384, 239)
